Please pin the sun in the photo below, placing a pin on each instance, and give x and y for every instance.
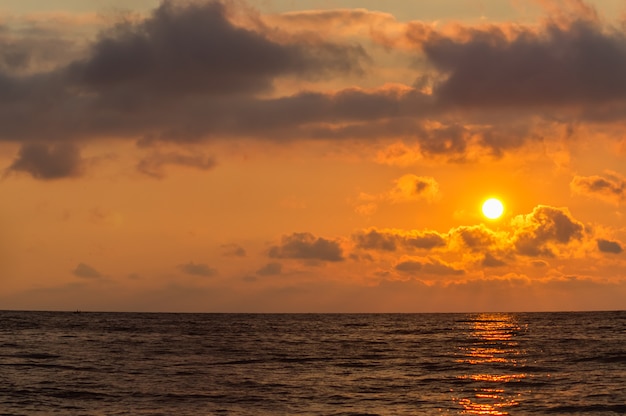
(493, 208)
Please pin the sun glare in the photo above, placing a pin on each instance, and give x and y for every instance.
(493, 208)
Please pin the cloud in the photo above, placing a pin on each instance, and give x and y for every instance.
(154, 164)
(491, 261)
(333, 22)
(41, 42)
(87, 272)
(186, 70)
(307, 247)
(525, 66)
(193, 48)
(197, 269)
(539, 263)
(374, 239)
(477, 237)
(47, 162)
(407, 188)
(409, 266)
(539, 232)
(430, 266)
(233, 250)
(391, 239)
(270, 269)
(547, 232)
(610, 187)
(607, 246)
(206, 71)
(412, 187)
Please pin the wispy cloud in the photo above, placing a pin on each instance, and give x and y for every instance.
(610, 187)
(197, 269)
(85, 271)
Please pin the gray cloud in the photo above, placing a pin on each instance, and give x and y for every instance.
(193, 48)
(432, 267)
(44, 161)
(183, 72)
(85, 271)
(376, 240)
(391, 240)
(607, 246)
(424, 240)
(577, 62)
(189, 72)
(197, 269)
(307, 247)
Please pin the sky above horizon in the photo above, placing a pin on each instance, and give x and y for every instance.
(312, 156)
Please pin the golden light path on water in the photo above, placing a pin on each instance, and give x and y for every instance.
(495, 355)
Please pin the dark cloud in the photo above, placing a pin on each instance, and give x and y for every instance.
(390, 240)
(559, 64)
(424, 240)
(451, 139)
(315, 115)
(432, 267)
(376, 240)
(188, 73)
(607, 246)
(154, 164)
(610, 187)
(193, 48)
(182, 73)
(270, 269)
(85, 271)
(476, 237)
(44, 161)
(307, 247)
(545, 227)
(491, 261)
(409, 266)
(197, 269)
(192, 71)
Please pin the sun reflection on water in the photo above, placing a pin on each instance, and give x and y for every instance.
(495, 357)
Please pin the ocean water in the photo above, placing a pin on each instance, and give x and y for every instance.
(54, 363)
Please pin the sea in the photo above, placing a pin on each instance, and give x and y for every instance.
(88, 363)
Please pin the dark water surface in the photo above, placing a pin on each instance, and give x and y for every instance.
(54, 363)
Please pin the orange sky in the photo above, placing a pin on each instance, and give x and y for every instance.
(314, 156)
